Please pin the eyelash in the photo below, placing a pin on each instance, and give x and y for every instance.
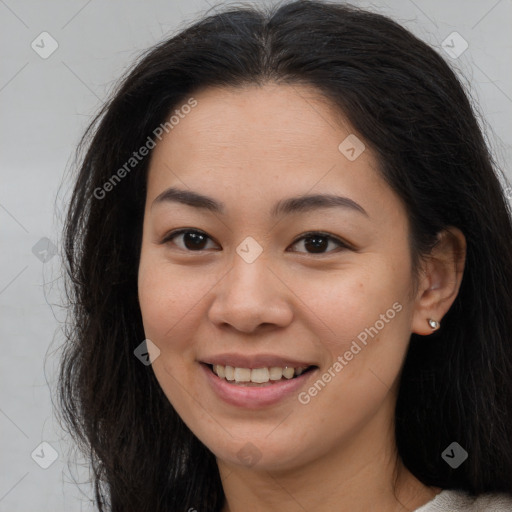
(330, 238)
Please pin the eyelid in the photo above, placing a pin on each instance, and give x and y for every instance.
(342, 244)
(172, 234)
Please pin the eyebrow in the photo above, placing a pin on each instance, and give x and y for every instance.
(287, 206)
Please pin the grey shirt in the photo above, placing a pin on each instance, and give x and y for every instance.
(459, 501)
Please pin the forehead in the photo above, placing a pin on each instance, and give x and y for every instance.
(264, 142)
(263, 118)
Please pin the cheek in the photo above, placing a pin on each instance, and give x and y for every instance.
(365, 327)
(167, 299)
(343, 305)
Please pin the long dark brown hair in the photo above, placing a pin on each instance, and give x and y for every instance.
(406, 103)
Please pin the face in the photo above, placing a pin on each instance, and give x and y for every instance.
(252, 280)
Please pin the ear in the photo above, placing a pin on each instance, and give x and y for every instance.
(440, 279)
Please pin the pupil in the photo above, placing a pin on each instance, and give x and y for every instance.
(317, 243)
(193, 240)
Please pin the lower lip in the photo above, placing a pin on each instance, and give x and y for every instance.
(255, 396)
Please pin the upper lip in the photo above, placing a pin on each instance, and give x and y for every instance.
(255, 361)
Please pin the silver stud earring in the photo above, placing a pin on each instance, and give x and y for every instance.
(434, 324)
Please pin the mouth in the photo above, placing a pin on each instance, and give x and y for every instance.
(258, 377)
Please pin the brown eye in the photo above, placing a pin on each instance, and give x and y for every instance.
(194, 241)
(317, 243)
(191, 240)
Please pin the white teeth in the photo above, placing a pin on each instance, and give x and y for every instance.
(276, 373)
(229, 372)
(260, 375)
(257, 375)
(242, 375)
(219, 370)
(288, 372)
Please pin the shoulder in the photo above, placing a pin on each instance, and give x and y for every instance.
(493, 503)
(460, 501)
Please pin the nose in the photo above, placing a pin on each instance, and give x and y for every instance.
(251, 297)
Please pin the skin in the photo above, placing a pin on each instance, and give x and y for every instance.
(249, 148)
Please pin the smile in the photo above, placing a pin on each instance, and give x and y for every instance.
(258, 376)
(271, 385)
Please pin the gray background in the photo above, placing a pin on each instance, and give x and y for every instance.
(45, 105)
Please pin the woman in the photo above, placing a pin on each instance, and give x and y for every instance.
(289, 260)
